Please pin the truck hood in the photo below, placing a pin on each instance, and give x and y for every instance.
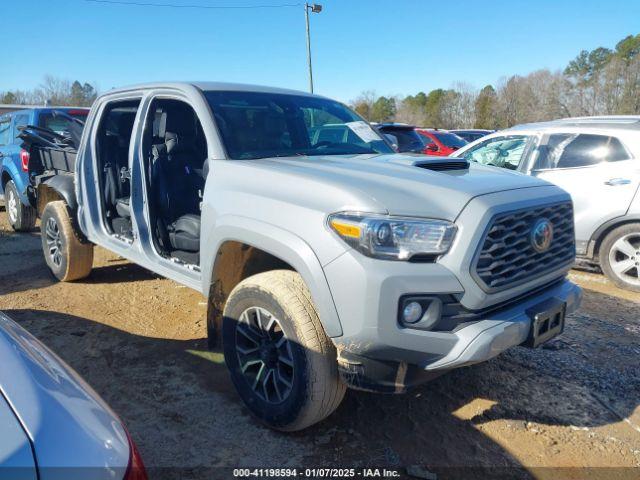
(395, 184)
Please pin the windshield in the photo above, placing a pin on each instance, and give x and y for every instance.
(506, 152)
(261, 125)
(450, 140)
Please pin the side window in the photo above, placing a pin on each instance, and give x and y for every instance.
(571, 150)
(506, 152)
(5, 131)
(19, 121)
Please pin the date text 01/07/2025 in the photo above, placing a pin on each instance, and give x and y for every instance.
(314, 473)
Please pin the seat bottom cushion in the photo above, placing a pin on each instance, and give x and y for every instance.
(184, 233)
(121, 226)
(122, 207)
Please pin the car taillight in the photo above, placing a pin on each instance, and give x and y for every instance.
(135, 469)
(24, 160)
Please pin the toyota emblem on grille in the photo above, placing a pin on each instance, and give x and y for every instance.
(542, 235)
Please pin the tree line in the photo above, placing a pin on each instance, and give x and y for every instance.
(53, 91)
(599, 82)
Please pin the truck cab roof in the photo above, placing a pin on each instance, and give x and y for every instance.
(209, 86)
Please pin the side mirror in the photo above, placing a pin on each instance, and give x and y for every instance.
(432, 147)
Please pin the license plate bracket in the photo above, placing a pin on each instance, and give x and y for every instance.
(547, 322)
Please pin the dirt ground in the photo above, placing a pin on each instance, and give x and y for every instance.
(569, 410)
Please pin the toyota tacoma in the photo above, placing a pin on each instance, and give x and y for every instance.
(328, 260)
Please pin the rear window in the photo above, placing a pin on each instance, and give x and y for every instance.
(408, 140)
(60, 123)
(571, 150)
(450, 140)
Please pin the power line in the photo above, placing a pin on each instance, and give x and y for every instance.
(173, 5)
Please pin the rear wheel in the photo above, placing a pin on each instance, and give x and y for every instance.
(21, 217)
(620, 256)
(66, 255)
(281, 362)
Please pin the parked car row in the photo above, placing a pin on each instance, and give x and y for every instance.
(429, 141)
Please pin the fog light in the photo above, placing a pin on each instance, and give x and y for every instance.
(412, 312)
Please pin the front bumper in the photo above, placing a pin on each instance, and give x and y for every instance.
(376, 353)
(503, 329)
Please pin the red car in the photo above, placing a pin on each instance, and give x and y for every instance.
(440, 142)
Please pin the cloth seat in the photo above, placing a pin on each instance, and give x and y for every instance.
(184, 233)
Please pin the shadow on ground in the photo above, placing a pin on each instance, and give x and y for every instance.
(180, 406)
(23, 267)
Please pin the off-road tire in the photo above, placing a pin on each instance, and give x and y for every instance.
(316, 389)
(632, 231)
(22, 218)
(75, 256)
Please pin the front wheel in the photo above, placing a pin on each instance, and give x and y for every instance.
(281, 362)
(66, 255)
(22, 218)
(620, 256)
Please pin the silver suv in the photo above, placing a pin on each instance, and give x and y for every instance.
(327, 259)
(596, 160)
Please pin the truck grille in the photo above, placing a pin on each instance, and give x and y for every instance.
(507, 256)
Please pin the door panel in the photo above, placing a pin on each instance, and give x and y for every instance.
(601, 189)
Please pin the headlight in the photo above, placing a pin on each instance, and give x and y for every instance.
(393, 238)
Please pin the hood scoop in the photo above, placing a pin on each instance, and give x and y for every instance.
(443, 165)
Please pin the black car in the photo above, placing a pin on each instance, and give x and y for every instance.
(404, 137)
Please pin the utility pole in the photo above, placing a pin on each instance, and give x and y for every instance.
(315, 8)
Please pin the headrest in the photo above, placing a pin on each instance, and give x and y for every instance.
(160, 124)
(172, 142)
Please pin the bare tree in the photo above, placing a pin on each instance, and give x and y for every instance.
(53, 91)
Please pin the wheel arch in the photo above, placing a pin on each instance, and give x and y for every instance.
(5, 177)
(593, 250)
(58, 187)
(245, 247)
(12, 172)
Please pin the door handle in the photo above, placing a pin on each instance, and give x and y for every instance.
(613, 182)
